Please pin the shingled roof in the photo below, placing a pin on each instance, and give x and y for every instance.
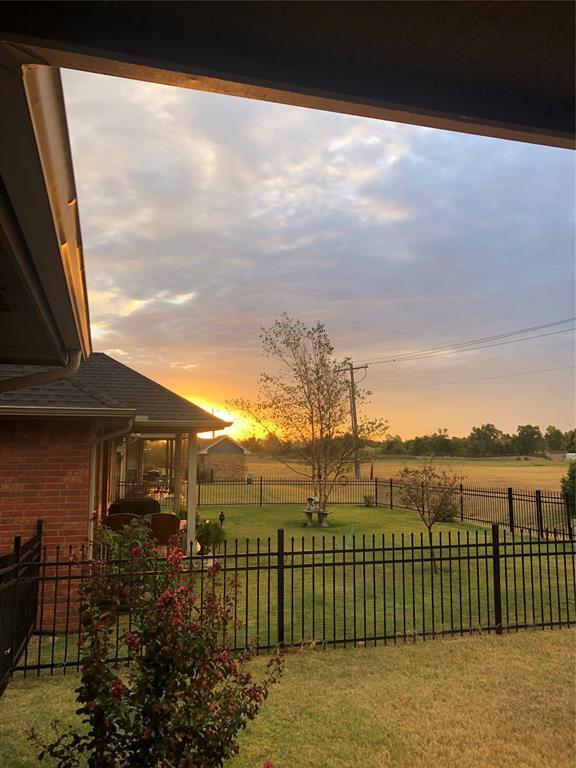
(104, 383)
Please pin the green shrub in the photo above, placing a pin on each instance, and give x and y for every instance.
(447, 509)
(369, 501)
(568, 485)
(210, 535)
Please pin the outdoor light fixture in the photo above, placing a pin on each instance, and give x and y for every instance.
(221, 517)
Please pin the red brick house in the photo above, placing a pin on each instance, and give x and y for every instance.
(62, 447)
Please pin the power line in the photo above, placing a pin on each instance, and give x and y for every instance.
(481, 340)
(457, 348)
(484, 378)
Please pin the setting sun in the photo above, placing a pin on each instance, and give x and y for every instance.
(242, 426)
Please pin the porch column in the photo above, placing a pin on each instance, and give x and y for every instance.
(192, 492)
(140, 454)
(177, 472)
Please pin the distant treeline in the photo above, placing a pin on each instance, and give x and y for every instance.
(486, 440)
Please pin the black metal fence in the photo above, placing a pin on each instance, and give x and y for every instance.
(539, 511)
(19, 581)
(344, 591)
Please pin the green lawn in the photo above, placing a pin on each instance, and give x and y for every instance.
(483, 702)
(263, 522)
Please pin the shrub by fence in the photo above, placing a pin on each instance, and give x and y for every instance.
(347, 591)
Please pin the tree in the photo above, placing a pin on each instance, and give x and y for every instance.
(431, 492)
(486, 440)
(305, 403)
(528, 439)
(554, 438)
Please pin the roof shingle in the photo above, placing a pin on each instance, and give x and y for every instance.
(102, 382)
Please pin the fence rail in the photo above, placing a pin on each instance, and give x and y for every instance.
(19, 581)
(343, 591)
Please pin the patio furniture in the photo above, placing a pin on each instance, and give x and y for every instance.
(164, 527)
(144, 505)
(118, 521)
(323, 518)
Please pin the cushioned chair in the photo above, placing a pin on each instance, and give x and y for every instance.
(164, 526)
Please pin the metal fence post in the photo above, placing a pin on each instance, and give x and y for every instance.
(540, 522)
(496, 575)
(461, 502)
(375, 491)
(391, 495)
(280, 585)
(260, 490)
(511, 509)
(15, 612)
(569, 503)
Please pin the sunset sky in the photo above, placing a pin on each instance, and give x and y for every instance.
(206, 216)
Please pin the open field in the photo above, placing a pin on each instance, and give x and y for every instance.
(498, 473)
(482, 701)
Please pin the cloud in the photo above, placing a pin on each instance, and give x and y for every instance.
(205, 216)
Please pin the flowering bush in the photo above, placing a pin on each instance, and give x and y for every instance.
(183, 696)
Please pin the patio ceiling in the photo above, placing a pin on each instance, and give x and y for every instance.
(496, 68)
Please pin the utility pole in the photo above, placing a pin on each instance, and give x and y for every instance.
(352, 384)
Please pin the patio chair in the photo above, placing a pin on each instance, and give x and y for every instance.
(164, 526)
(118, 521)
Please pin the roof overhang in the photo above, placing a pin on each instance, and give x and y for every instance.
(43, 299)
(147, 427)
(41, 411)
(502, 69)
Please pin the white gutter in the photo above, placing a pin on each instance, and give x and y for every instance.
(44, 377)
(92, 486)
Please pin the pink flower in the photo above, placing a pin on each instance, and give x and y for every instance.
(132, 640)
(136, 552)
(177, 621)
(214, 568)
(222, 656)
(118, 689)
(166, 598)
(268, 764)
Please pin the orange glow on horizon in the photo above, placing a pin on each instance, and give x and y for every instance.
(242, 426)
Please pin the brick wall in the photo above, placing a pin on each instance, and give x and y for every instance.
(44, 473)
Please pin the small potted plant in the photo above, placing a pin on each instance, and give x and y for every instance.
(210, 535)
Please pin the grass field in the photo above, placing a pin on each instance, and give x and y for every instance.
(499, 473)
(483, 702)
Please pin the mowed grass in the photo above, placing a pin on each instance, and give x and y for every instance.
(262, 522)
(482, 702)
(507, 472)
